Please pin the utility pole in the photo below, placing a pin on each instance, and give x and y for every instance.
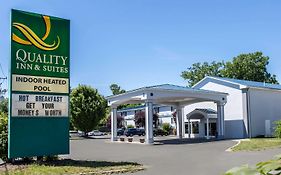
(2, 91)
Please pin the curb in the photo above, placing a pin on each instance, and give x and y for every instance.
(237, 140)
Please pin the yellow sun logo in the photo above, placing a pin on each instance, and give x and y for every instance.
(33, 39)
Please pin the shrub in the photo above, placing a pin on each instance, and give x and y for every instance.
(166, 127)
(267, 168)
(130, 126)
(277, 129)
(3, 135)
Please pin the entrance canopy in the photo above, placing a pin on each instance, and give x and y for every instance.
(166, 94)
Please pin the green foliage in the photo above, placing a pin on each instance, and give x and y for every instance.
(4, 106)
(116, 89)
(243, 170)
(277, 129)
(88, 107)
(3, 135)
(130, 126)
(251, 66)
(198, 71)
(166, 127)
(265, 168)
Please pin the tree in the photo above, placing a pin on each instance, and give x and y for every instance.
(120, 121)
(251, 66)
(88, 107)
(4, 106)
(140, 119)
(116, 89)
(3, 135)
(199, 70)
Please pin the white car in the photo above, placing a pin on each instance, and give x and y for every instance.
(96, 133)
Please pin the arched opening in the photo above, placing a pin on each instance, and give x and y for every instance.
(201, 123)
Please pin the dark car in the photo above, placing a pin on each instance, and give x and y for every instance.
(161, 132)
(120, 132)
(134, 131)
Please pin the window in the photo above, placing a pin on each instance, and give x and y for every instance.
(123, 114)
(157, 109)
(212, 129)
(195, 127)
(186, 128)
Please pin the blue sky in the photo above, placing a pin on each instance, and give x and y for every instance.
(138, 43)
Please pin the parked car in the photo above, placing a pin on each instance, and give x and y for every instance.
(161, 132)
(96, 133)
(134, 131)
(120, 132)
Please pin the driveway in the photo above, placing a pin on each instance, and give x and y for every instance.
(180, 157)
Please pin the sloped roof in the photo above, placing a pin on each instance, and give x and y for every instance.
(206, 110)
(170, 87)
(247, 83)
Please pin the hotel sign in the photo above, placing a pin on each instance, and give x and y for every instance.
(39, 81)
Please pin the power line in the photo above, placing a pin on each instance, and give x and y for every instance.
(2, 70)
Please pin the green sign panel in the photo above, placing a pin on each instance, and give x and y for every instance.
(39, 85)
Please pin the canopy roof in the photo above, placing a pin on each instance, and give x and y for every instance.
(199, 112)
(167, 94)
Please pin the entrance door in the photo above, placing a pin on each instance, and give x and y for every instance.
(212, 129)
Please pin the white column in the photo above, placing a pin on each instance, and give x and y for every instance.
(149, 122)
(179, 122)
(220, 120)
(189, 128)
(208, 137)
(113, 124)
(183, 122)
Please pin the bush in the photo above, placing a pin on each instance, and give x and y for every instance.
(277, 129)
(130, 126)
(166, 127)
(3, 135)
(266, 168)
(4, 106)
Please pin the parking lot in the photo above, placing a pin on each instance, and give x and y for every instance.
(173, 156)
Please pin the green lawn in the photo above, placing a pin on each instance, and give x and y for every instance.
(257, 144)
(72, 167)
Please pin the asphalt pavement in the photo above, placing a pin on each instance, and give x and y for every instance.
(171, 156)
